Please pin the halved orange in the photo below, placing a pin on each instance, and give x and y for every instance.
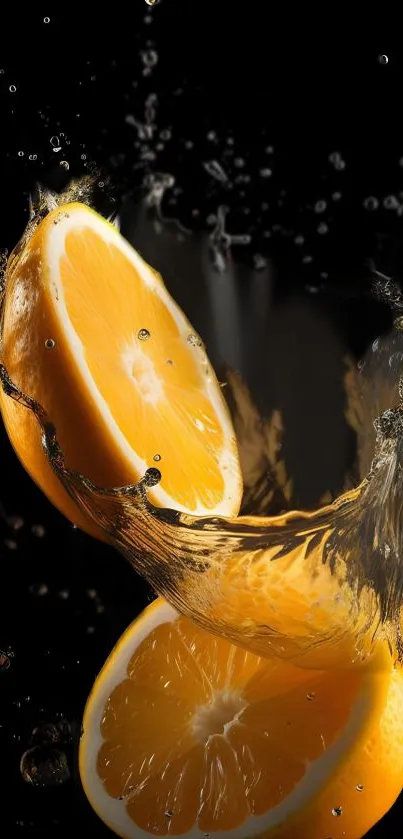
(187, 735)
(91, 332)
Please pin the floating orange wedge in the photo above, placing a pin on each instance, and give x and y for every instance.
(91, 332)
(186, 734)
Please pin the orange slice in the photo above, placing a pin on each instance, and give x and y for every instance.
(91, 332)
(188, 735)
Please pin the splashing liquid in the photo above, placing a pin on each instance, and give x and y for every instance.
(317, 588)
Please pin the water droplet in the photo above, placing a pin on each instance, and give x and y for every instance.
(38, 530)
(320, 206)
(143, 334)
(371, 203)
(39, 589)
(157, 457)
(259, 261)
(311, 695)
(50, 343)
(322, 228)
(12, 88)
(214, 168)
(337, 811)
(336, 196)
(383, 59)
(340, 165)
(390, 202)
(149, 58)
(16, 522)
(165, 134)
(46, 20)
(194, 341)
(43, 766)
(334, 157)
(266, 173)
(152, 477)
(299, 240)
(359, 787)
(157, 184)
(4, 661)
(239, 162)
(64, 164)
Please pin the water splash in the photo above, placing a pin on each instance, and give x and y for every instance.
(157, 184)
(221, 241)
(298, 585)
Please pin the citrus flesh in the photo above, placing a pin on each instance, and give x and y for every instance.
(91, 332)
(186, 734)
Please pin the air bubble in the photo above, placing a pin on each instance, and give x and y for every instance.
(383, 59)
(359, 787)
(43, 766)
(50, 344)
(157, 457)
(165, 134)
(371, 203)
(152, 2)
(322, 228)
(320, 206)
(239, 162)
(64, 164)
(266, 173)
(143, 334)
(33, 157)
(149, 58)
(46, 20)
(169, 814)
(311, 695)
(337, 811)
(12, 88)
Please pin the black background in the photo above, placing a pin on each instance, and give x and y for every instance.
(231, 84)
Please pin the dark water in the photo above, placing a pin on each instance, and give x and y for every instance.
(303, 143)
